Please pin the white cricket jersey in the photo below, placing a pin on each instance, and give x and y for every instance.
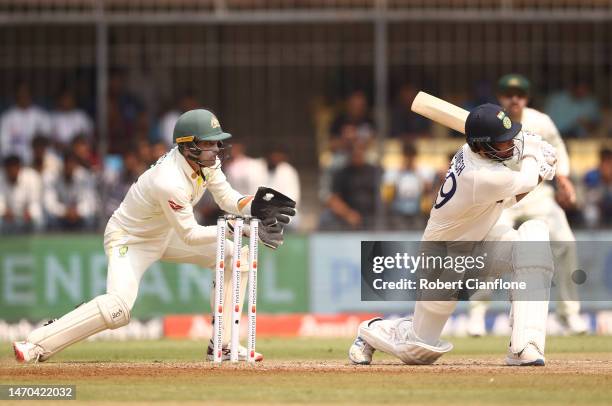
(541, 124)
(17, 128)
(65, 125)
(163, 198)
(475, 192)
(24, 194)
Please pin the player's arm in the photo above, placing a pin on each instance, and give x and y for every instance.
(176, 206)
(492, 186)
(566, 194)
(266, 204)
(228, 199)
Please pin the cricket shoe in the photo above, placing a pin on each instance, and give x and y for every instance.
(27, 352)
(361, 352)
(226, 353)
(476, 324)
(397, 337)
(573, 324)
(528, 356)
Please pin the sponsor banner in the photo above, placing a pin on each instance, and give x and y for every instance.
(43, 277)
(335, 273)
(336, 279)
(296, 325)
(137, 330)
(271, 325)
(486, 270)
(346, 325)
(498, 324)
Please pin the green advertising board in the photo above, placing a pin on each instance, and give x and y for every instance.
(44, 277)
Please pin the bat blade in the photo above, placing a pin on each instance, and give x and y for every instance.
(440, 111)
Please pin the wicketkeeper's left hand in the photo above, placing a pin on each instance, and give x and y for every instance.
(270, 233)
(269, 204)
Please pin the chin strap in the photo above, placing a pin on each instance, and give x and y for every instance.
(194, 152)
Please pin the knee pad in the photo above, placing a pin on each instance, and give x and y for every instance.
(536, 254)
(502, 232)
(114, 310)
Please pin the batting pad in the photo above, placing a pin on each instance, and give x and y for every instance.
(105, 311)
(533, 264)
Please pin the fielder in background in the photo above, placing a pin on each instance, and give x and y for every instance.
(513, 94)
(478, 187)
(155, 222)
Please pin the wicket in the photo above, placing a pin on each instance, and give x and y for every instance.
(236, 280)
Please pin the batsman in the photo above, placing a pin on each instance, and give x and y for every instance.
(155, 222)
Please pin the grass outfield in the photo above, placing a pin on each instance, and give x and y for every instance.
(578, 371)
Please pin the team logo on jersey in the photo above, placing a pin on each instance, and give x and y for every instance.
(214, 123)
(174, 206)
(123, 250)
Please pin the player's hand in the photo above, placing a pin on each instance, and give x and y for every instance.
(271, 235)
(566, 194)
(270, 232)
(547, 171)
(549, 153)
(532, 146)
(271, 204)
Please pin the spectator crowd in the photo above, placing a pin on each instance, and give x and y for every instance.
(53, 178)
(355, 187)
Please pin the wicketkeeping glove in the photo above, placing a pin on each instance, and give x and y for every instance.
(270, 233)
(270, 204)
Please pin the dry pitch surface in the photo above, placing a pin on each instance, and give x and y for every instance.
(578, 371)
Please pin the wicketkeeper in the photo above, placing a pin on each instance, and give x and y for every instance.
(155, 222)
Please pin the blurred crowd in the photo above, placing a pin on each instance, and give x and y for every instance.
(54, 179)
(355, 186)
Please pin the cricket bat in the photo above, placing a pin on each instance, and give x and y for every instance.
(440, 111)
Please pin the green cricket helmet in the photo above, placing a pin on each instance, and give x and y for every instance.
(199, 125)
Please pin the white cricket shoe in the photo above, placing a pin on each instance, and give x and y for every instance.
(529, 356)
(27, 352)
(573, 324)
(361, 352)
(397, 337)
(226, 353)
(476, 324)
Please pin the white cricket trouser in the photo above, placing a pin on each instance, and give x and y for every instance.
(130, 256)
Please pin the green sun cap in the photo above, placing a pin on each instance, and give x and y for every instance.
(514, 81)
(198, 125)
